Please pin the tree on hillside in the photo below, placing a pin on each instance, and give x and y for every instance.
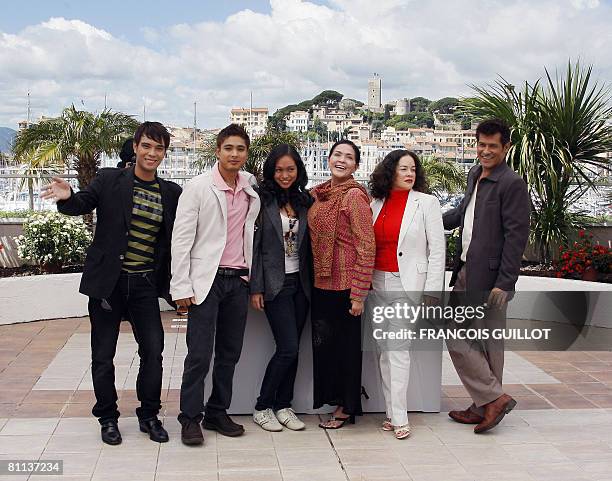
(415, 119)
(277, 123)
(446, 105)
(419, 104)
(387, 114)
(319, 128)
(403, 125)
(327, 97)
(377, 125)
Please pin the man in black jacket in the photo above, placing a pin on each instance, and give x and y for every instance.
(494, 221)
(126, 270)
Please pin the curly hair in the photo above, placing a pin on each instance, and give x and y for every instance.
(381, 180)
(270, 191)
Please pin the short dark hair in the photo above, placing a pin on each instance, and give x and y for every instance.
(347, 142)
(153, 130)
(270, 191)
(492, 127)
(231, 130)
(381, 180)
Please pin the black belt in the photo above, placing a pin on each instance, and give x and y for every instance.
(230, 272)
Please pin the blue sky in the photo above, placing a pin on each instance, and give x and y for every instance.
(126, 18)
(171, 54)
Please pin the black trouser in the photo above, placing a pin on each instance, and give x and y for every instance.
(218, 322)
(134, 297)
(287, 315)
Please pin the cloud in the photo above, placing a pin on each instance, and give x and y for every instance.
(581, 4)
(432, 49)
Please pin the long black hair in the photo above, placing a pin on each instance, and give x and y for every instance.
(270, 191)
(381, 180)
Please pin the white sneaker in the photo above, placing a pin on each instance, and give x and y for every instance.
(288, 418)
(267, 420)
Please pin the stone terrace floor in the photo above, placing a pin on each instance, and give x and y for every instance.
(560, 430)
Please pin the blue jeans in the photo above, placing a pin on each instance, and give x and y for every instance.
(286, 314)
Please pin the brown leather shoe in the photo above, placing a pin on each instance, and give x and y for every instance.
(495, 412)
(466, 416)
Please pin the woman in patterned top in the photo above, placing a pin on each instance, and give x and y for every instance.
(281, 280)
(343, 247)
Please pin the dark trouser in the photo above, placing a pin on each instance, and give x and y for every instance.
(336, 351)
(134, 297)
(287, 315)
(480, 363)
(217, 322)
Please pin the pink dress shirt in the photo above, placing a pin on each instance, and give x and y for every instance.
(237, 202)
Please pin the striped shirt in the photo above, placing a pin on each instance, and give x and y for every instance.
(146, 221)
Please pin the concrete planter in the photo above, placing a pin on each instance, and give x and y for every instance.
(50, 296)
(9, 230)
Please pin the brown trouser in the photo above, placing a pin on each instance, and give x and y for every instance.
(479, 363)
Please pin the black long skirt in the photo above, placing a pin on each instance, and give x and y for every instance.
(336, 346)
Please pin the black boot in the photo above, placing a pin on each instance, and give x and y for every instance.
(223, 424)
(191, 433)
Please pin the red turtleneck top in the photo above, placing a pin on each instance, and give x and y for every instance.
(387, 230)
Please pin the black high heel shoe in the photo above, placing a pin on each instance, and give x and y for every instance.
(350, 419)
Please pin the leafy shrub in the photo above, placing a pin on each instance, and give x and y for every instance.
(53, 238)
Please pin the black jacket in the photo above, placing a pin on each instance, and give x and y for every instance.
(111, 193)
(268, 269)
(500, 230)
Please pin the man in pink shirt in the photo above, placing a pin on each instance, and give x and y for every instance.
(212, 248)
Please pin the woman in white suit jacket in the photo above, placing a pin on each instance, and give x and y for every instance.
(409, 268)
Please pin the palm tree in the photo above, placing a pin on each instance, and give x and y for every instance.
(258, 151)
(559, 132)
(443, 175)
(31, 169)
(76, 139)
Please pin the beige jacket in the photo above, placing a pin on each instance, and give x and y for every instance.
(199, 236)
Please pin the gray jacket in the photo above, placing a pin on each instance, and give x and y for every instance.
(500, 232)
(268, 270)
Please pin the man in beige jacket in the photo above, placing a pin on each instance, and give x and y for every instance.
(212, 247)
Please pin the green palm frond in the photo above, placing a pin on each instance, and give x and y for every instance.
(443, 175)
(75, 139)
(559, 133)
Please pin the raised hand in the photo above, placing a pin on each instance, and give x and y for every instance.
(58, 189)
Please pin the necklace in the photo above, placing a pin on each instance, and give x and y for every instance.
(290, 236)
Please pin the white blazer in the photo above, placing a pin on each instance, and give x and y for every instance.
(199, 235)
(421, 248)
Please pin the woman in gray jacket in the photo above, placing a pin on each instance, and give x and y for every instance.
(281, 280)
